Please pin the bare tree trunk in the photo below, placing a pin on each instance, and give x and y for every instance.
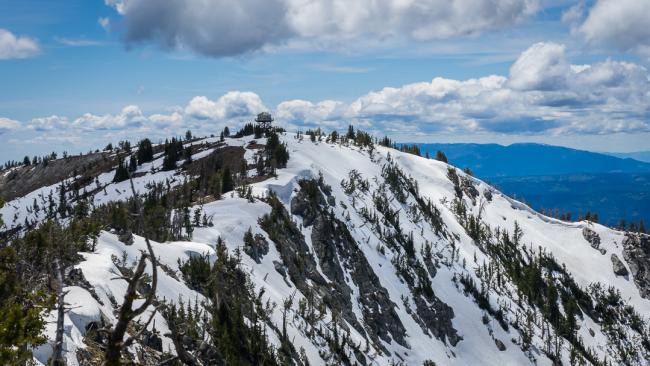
(57, 355)
(116, 342)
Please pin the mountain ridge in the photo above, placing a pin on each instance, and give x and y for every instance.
(372, 256)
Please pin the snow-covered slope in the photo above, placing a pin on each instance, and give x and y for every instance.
(413, 259)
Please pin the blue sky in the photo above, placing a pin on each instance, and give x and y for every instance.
(77, 74)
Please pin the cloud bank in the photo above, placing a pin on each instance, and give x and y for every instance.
(617, 24)
(13, 47)
(225, 28)
(543, 94)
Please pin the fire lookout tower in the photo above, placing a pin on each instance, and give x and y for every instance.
(264, 120)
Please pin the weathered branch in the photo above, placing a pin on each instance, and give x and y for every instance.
(116, 342)
(57, 354)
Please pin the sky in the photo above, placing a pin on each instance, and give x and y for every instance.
(77, 74)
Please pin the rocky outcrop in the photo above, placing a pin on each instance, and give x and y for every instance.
(339, 254)
(618, 266)
(591, 237)
(636, 252)
(436, 317)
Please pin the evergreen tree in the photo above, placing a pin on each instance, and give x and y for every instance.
(226, 131)
(440, 156)
(121, 173)
(145, 151)
(172, 153)
(334, 136)
(21, 321)
(188, 135)
(226, 181)
(26, 161)
(385, 141)
(351, 135)
(133, 164)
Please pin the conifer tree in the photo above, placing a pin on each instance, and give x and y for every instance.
(133, 164)
(440, 156)
(145, 151)
(351, 135)
(226, 181)
(121, 173)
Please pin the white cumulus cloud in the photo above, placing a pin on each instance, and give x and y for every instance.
(7, 125)
(621, 24)
(12, 46)
(543, 94)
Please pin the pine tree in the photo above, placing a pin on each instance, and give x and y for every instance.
(351, 135)
(26, 161)
(172, 152)
(121, 173)
(21, 321)
(440, 156)
(145, 151)
(133, 164)
(226, 181)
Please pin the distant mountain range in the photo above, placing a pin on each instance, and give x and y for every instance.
(637, 155)
(553, 177)
(516, 160)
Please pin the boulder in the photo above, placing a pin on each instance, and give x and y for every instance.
(591, 237)
(500, 345)
(636, 252)
(618, 266)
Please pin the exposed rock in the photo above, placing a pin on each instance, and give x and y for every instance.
(500, 345)
(636, 252)
(280, 268)
(437, 316)
(126, 237)
(152, 340)
(467, 185)
(332, 240)
(338, 254)
(591, 237)
(618, 266)
(488, 195)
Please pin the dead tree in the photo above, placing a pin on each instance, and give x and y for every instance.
(127, 313)
(57, 354)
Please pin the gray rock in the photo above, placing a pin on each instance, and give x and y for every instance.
(279, 267)
(500, 345)
(618, 266)
(488, 195)
(126, 237)
(636, 252)
(152, 340)
(591, 237)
